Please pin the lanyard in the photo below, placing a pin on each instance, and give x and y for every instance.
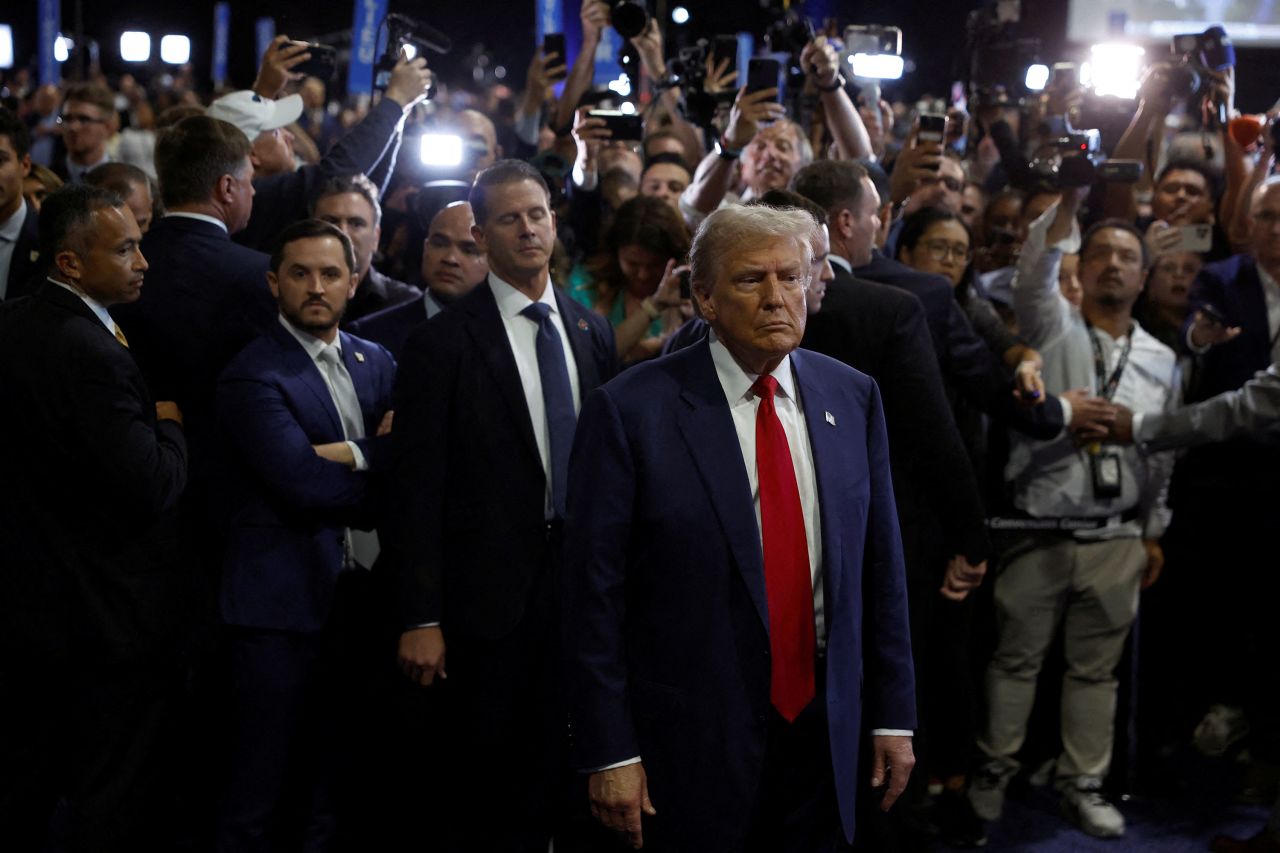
(1107, 387)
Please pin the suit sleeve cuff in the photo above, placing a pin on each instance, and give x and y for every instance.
(892, 733)
(615, 766)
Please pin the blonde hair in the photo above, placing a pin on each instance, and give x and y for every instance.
(731, 229)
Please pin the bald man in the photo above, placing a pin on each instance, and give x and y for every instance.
(452, 264)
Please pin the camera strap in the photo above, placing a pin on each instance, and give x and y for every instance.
(1107, 386)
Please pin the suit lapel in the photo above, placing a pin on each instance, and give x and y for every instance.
(825, 439)
(490, 335)
(300, 364)
(708, 429)
(581, 341)
(356, 360)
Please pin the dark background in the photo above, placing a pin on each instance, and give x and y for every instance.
(932, 33)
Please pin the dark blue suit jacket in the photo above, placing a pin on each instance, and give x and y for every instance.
(25, 269)
(287, 506)
(1234, 289)
(665, 611)
(470, 538)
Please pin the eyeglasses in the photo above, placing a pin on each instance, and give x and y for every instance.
(80, 118)
(941, 251)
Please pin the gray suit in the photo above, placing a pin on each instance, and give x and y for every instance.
(1252, 408)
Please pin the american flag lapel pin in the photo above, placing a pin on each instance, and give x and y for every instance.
(582, 324)
(360, 357)
(831, 419)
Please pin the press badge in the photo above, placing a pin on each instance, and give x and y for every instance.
(1106, 473)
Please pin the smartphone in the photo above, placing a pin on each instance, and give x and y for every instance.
(621, 125)
(932, 127)
(1121, 171)
(323, 61)
(725, 47)
(764, 73)
(1195, 238)
(554, 43)
(1213, 314)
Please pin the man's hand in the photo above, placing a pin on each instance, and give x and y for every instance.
(1208, 332)
(619, 797)
(820, 61)
(962, 578)
(545, 69)
(1091, 417)
(649, 46)
(421, 655)
(595, 17)
(410, 82)
(278, 63)
(719, 77)
(894, 759)
(167, 410)
(1161, 237)
(337, 451)
(1155, 562)
(668, 293)
(749, 112)
(384, 426)
(916, 162)
(1028, 381)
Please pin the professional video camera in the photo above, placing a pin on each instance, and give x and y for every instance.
(1077, 160)
(1188, 78)
(406, 32)
(688, 70)
(997, 55)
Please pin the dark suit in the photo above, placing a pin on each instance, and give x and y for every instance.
(392, 326)
(25, 270)
(284, 593)
(95, 586)
(377, 292)
(666, 623)
(476, 555)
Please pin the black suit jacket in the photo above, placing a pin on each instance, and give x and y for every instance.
(25, 269)
(881, 331)
(204, 298)
(378, 292)
(392, 326)
(968, 365)
(471, 536)
(92, 567)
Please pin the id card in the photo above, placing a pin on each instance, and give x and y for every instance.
(1106, 474)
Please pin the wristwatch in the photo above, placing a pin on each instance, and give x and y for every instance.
(726, 153)
(838, 83)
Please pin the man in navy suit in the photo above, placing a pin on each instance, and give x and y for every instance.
(486, 407)
(735, 612)
(452, 265)
(304, 410)
(19, 222)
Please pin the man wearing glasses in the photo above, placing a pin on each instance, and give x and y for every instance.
(88, 120)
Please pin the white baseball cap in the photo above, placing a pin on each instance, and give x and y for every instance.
(254, 114)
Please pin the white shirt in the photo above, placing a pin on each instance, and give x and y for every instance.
(200, 216)
(314, 346)
(840, 261)
(522, 334)
(99, 310)
(10, 230)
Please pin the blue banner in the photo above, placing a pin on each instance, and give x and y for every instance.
(50, 16)
(608, 69)
(365, 29)
(221, 36)
(264, 30)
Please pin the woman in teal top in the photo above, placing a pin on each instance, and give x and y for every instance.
(635, 278)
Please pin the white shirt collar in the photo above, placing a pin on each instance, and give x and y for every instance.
(511, 301)
(313, 345)
(840, 261)
(1268, 281)
(11, 228)
(200, 216)
(99, 310)
(737, 382)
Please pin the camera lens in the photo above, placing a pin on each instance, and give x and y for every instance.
(628, 18)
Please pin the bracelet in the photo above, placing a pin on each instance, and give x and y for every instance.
(726, 153)
(838, 83)
(651, 308)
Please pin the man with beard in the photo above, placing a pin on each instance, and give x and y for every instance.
(305, 412)
(1090, 514)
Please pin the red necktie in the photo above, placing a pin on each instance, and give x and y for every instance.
(786, 561)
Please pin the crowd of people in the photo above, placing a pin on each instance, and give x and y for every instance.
(356, 503)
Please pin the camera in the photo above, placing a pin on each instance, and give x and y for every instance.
(1188, 78)
(403, 31)
(628, 18)
(1077, 160)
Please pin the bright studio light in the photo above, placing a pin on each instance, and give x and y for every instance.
(1115, 69)
(175, 50)
(441, 149)
(877, 66)
(6, 46)
(410, 51)
(62, 47)
(1037, 77)
(135, 46)
(680, 15)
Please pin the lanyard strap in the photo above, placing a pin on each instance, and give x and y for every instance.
(1107, 387)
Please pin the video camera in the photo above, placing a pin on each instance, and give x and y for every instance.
(689, 71)
(1188, 77)
(406, 32)
(1078, 161)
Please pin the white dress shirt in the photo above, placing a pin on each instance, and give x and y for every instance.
(202, 217)
(10, 231)
(522, 334)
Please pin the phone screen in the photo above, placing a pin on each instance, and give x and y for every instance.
(764, 74)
